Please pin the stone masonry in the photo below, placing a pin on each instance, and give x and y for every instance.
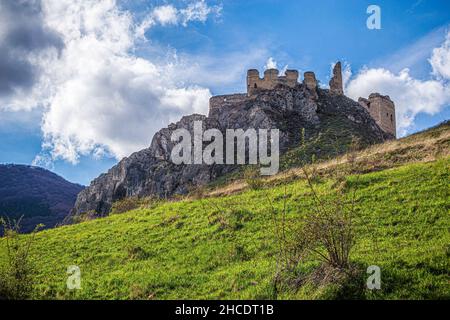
(270, 81)
(336, 85)
(382, 110)
(310, 81)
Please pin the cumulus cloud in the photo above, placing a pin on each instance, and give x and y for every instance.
(440, 60)
(107, 100)
(411, 96)
(165, 14)
(97, 97)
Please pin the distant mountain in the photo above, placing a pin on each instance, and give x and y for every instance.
(40, 196)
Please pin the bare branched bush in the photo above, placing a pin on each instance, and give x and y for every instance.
(325, 232)
(16, 271)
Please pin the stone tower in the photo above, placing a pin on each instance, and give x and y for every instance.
(382, 110)
(336, 85)
(310, 80)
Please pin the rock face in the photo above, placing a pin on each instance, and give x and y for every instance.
(150, 172)
(35, 194)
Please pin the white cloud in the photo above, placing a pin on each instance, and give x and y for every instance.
(169, 15)
(43, 160)
(283, 71)
(346, 73)
(411, 96)
(440, 60)
(166, 14)
(198, 11)
(270, 64)
(100, 98)
(97, 98)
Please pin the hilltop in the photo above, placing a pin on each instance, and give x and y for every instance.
(301, 111)
(38, 195)
(224, 246)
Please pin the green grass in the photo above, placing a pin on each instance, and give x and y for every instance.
(224, 248)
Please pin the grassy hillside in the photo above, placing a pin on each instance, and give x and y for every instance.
(225, 247)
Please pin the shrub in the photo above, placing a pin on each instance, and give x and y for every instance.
(132, 203)
(16, 271)
(252, 178)
(326, 233)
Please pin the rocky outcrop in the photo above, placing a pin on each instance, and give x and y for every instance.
(151, 173)
(148, 172)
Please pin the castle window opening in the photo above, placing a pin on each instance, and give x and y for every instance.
(255, 86)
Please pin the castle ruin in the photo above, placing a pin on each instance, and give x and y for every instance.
(270, 81)
(336, 85)
(381, 108)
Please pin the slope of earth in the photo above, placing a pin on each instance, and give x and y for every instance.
(150, 172)
(225, 247)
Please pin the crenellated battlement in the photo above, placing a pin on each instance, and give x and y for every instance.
(381, 108)
(271, 79)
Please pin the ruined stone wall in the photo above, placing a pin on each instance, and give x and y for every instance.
(310, 80)
(382, 110)
(336, 85)
(270, 81)
(380, 107)
(215, 103)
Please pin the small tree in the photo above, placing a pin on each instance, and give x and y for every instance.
(16, 271)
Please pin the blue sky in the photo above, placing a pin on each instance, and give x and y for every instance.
(89, 104)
